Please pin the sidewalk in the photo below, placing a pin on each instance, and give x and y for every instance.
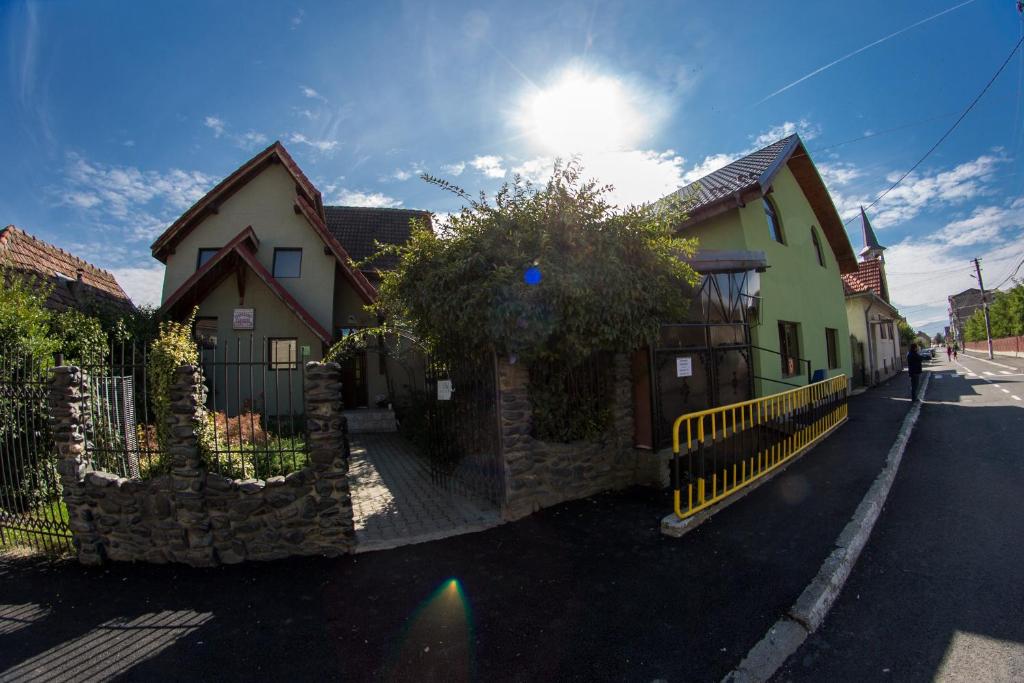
(587, 590)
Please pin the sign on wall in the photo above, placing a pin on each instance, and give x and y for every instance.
(444, 390)
(684, 366)
(242, 319)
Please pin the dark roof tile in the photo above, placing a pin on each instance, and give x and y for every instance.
(358, 228)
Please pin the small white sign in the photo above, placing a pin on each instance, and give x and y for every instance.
(242, 319)
(684, 366)
(444, 390)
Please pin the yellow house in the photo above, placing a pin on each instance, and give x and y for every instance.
(270, 269)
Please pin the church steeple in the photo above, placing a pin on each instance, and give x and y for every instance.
(872, 249)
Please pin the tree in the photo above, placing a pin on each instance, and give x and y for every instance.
(907, 334)
(552, 273)
(939, 339)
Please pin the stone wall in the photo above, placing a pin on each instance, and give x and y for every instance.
(541, 474)
(198, 517)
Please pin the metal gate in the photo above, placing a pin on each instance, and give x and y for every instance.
(461, 431)
(705, 362)
(32, 512)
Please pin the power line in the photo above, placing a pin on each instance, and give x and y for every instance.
(1011, 275)
(949, 131)
(868, 136)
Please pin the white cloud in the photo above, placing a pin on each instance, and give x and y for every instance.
(838, 173)
(311, 93)
(296, 20)
(250, 140)
(489, 165)
(375, 200)
(806, 129)
(324, 146)
(83, 200)
(985, 224)
(143, 285)
(710, 164)
(455, 169)
(215, 124)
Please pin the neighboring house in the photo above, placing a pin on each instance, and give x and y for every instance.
(770, 314)
(874, 337)
(266, 262)
(961, 307)
(74, 282)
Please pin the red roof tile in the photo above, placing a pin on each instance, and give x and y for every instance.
(868, 278)
(30, 255)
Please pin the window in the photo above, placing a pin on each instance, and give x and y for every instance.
(789, 348)
(206, 332)
(882, 330)
(283, 354)
(817, 247)
(774, 222)
(204, 256)
(287, 262)
(832, 348)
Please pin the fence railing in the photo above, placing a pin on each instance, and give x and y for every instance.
(32, 513)
(255, 405)
(719, 451)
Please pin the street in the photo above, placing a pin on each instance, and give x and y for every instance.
(938, 592)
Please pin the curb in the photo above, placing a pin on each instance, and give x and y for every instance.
(810, 609)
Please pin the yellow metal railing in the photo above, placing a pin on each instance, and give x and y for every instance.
(730, 447)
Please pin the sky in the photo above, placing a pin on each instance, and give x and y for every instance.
(117, 116)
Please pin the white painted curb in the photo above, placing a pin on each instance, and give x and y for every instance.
(809, 611)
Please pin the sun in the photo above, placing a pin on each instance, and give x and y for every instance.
(582, 111)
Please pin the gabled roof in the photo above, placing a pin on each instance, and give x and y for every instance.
(240, 251)
(209, 204)
(74, 280)
(358, 228)
(868, 278)
(750, 178)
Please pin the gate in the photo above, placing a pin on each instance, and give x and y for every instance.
(707, 361)
(461, 427)
(32, 512)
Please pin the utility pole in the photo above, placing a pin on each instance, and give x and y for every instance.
(984, 307)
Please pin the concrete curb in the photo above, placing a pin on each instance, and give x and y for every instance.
(810, 609)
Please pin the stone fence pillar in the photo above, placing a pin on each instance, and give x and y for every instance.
(185, 422)
(69, 420)
(329, 455)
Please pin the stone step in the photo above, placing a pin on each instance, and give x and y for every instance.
(371, 421)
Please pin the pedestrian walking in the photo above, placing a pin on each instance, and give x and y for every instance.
(914, 368)
(955, 348)
(949, 352)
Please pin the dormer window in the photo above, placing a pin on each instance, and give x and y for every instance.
(817, 247)
(204, 256)
(771, 212)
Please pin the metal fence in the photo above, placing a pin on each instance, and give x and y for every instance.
(255, 412)
(719, 451)
(32, 512)
(459, 429)
(571, 403)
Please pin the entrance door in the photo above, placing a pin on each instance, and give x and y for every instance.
(354, 392)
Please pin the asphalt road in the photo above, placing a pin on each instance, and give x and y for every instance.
(588, 590)
(938, 593)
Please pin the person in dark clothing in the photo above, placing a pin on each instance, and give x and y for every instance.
(914, 368)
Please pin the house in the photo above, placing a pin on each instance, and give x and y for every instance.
(74, 283)
(874, 337)
(961, 307)
(770, 313)
(271, 271)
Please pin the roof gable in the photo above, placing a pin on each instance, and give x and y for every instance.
(211, 201)
(870, 277)
(750, 178)
(73, 278)
(241, 250)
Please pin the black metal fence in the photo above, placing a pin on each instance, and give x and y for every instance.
(571, 403)
(458, 429)
(32, 512)
(255, 412)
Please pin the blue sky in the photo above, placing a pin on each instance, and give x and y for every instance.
(117, 116)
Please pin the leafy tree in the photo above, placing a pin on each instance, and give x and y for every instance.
(551, 273)
(939, 338)
(24, 318)
(907, 334)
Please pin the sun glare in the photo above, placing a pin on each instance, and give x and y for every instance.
(581, 111)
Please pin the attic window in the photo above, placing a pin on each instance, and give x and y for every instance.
(817, 247)
(287, 262)
(771, 212)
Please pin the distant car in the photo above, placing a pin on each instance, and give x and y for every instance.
(926, 353)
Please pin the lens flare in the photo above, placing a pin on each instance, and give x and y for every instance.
(437, 643)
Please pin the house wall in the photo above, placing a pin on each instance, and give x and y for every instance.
(795, 288)
(268, 390)
(350, 311)
(266, 203)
